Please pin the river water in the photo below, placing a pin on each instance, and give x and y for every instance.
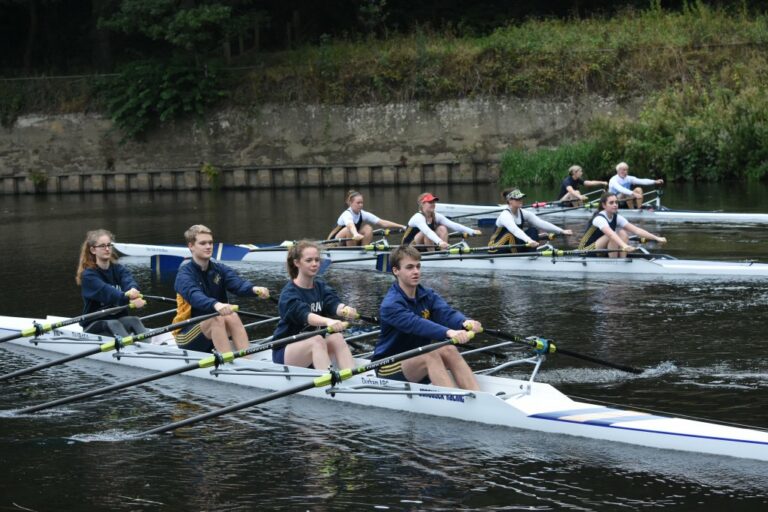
(703, 342)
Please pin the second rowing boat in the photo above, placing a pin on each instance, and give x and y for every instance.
(574, 263)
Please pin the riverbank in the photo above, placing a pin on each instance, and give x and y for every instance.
(277, 146)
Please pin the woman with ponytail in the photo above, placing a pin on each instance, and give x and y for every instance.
(608, 230)
(355, 223)
(307, 303)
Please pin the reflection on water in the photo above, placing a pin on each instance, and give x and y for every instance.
(703, 346)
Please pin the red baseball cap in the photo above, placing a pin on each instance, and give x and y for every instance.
(428, 198)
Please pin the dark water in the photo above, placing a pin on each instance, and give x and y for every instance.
(704, 341)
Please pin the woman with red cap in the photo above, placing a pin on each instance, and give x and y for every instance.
(427, 227)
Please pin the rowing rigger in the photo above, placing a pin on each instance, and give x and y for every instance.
(513, 403)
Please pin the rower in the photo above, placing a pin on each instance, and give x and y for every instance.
(608, 230)
(413, 316)
(355, 223)
(106, 283)
(513, 227)
(201, 287)
(306, 302)
(429, 228)
(621, 184)
(569, 189)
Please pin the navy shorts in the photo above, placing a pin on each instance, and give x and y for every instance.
(194, 339)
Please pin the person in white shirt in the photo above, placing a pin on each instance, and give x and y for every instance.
(355, 224)
(427, 227)
(621, 184)
(515, 227)
(608, 230)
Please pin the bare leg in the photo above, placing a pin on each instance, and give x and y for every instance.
(462, 373)
(420, 239)
(339, 350)
(236, 331)
(310, 351)
(367, 232)
(442, 232)
(215, 329)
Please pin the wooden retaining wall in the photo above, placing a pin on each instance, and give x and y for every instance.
(255, 178)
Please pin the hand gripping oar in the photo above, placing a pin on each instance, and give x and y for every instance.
(215, 360)
(239, 312)
(329, 379)
(548, 347)
(115, 344)
(38, 329)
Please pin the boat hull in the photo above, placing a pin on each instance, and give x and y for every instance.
(586, 266)
(504, 402)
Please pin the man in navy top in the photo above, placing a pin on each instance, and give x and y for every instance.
(413, 316)
(201, 287)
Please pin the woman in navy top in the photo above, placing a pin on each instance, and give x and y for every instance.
(106, 284)
(307, 303)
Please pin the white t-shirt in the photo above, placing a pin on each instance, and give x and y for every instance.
(418, 220)
(619, 185)
(348, 216)
(601, 220)
(508, 221)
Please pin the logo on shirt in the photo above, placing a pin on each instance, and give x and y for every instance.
(425, 314)
(216, 278)
(316, 307)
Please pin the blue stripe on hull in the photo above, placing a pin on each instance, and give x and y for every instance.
(566, 416)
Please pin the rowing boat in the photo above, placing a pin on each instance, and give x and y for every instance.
(507, 402)
(486, 214)
(573, 263)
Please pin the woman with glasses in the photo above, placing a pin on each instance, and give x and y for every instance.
(427, 227)
(106, 284)
(307, 303)
(608, 230)
(518, 229)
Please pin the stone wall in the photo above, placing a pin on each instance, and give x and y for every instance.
(289, 146)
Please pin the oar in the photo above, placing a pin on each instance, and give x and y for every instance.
(328, 379)
(216, 360)
(486, 212)
(541, 204)
(38, 329)
(547, 346)
(155, 315)
(169, 299)
(115, 344)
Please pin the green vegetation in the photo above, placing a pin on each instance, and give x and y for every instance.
(211, 174)
(149, 93)
(698, 131)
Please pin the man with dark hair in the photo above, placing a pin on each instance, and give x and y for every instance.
(413, 316)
